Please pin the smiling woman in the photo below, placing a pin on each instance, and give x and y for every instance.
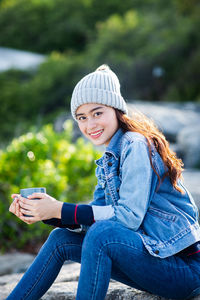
(141, 227)
(94, 122)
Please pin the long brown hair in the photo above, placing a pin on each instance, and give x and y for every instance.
(141, 124)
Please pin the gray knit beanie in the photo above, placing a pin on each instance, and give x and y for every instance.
(101, 86)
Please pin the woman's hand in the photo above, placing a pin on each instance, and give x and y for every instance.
(14, 207)
(43, 208)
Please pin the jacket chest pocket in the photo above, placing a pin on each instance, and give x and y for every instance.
(162, 215)
(114, 188)
(102, 182)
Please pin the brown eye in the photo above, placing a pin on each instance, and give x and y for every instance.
(81, 119)
(98, 113)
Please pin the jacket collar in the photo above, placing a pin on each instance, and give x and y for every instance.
(113, 148)
(115, 143)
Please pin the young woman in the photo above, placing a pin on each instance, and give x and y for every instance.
(142, 226)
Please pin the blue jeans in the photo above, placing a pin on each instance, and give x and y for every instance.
(108, 250)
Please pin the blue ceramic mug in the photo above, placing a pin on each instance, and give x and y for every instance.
(29, 191)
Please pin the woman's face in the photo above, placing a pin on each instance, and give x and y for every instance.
(97, 122)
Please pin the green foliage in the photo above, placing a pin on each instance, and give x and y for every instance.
(152, 45)
(25, 97)
(43, 25)
(48, 25)
(46, 159)
(136, 43)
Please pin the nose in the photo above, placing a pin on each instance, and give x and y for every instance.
(91, 123)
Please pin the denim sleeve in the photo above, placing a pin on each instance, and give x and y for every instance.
(134, 192)
(135, 186)
(99, 196)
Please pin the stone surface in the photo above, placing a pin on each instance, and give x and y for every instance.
(180, 123)
(14, 262)
(17, 59)
(66, 290)
(189, 143)
(171, 118)
(192, 182)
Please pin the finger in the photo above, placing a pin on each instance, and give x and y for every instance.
(12, 208)
(27, 201)
(26, 212)
(21, 217)
(23, 205)
(18, 214)
(18, 210)
(24, 201)
(29, 220)
(15, 200)
(15, 196)
(37, 195)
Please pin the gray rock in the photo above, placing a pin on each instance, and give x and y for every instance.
(180, 123)
(20, 60)
(66, 290)
(61, 291)
(11, 278)
(189, 141)
(192, 182)
(170, 118)
(70, 272)
(14, 262)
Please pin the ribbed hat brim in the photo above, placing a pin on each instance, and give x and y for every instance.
(94, 95)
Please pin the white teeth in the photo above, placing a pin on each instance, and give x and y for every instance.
(93, 134)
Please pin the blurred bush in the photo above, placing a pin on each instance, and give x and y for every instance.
(48, 159)
(155, 53)
(153, 46)
(27, 96)
(44, 25)
(48, 25)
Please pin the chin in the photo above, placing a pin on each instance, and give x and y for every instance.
(97, 143)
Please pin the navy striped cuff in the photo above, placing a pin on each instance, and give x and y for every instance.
(57, 223)
(85, 214)
(77, 214)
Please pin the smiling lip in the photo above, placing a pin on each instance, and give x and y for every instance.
(96, 134)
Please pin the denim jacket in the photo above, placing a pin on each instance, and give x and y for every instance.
(128, 192)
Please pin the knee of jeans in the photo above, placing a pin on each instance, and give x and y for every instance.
(98, 234)
(194, 293)
(56, 235)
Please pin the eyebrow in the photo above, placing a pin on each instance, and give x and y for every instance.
(96, 108)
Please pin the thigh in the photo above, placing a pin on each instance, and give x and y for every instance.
(170, 277)
(118, 275)
(65, 244)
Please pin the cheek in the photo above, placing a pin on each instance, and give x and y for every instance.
(115, 123)
(82, 128)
